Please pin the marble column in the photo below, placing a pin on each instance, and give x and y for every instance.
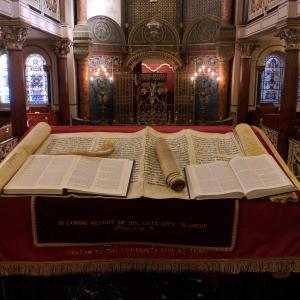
(83, 79)
(62, 48)
(225, 55)
(82, 41)
(81, 9)
(13, 37)
(226, 11)
(246, 48)
(288, 104)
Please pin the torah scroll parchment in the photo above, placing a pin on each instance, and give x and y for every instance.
(169, 166)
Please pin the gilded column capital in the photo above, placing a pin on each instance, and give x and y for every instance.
(246, 48)
(62, 47)
(291, 36)
(81, 41)
(13, 36)
(225, 52)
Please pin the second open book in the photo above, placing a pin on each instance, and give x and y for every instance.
(250, 177)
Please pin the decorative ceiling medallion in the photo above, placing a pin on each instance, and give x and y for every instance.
(154, 32)
(102, 31)
(206, 31)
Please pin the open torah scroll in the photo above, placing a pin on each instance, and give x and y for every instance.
(188, 147)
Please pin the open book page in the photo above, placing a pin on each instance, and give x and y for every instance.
(100, 175)
(212, 180)
(260, 176)
(28, 145)
(41, 174)
(208, 147)
(154, 181)
(128, 145)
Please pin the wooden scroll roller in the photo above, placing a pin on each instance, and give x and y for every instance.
(169, 166)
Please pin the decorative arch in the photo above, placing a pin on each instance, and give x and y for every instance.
(29, 49)
(106, 34)
(203, 31)
(154, 32)
(167, 57)
(261, 55)
(269, 78)
(37, 79)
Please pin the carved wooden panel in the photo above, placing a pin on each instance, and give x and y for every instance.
(155, 35)
(38, 4)
(184, 102)
(106, 34)
(51, 8)
(139, 10)
(111, 62)
(193, 9)
(259, 7)
(123, 99)
(205, 31)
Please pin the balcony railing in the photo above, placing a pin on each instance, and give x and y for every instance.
(259, 8)
(48, 8)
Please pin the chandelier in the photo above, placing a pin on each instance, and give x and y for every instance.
(205, 71)
(102, 74)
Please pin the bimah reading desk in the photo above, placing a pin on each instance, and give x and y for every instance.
(267, 236)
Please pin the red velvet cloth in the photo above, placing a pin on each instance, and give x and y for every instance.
(268, 237)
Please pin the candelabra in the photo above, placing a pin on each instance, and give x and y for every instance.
(205, 71)
(204, 82)
(101, 81)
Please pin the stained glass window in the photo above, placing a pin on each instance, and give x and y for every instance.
(4, 89)
(272, 79)
(36, 79)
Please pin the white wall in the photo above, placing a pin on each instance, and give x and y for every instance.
(108, 8)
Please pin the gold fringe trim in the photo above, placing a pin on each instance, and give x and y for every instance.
(232, 266)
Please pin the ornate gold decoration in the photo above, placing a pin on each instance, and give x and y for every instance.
(291, 36)
(123, 100)
(140, 10)
(52, 5)
(158, 68)
(106, 34)
(81, 41)
(246, 47)
(184, 100)
(260, 7)
(204, 31)
(151, 102)
(225, 52)
(154, 34)
(62, 47)
(13, 36)
(193, 9)
(139, 56)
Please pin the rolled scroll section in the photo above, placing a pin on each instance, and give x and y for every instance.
(169, 166)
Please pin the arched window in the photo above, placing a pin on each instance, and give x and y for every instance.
(4, 89)
(272, 79)
(36, 79)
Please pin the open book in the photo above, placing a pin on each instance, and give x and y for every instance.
(53, 174)
(248, 176)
